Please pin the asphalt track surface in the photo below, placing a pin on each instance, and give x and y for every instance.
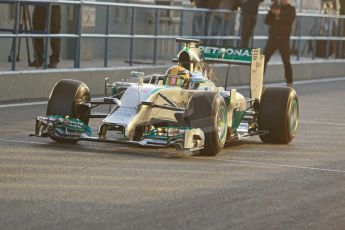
(249, 185)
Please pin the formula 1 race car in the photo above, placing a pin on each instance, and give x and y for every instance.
(181, 108)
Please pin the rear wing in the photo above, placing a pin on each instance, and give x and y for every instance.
(239, 56)
(231, 55)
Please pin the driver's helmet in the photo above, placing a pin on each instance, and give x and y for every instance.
(177, 76)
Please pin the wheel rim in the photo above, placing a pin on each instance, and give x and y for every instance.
(293, 117)
(80, 114)
(221, 123)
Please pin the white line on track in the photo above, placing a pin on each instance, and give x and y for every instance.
(24, 142)
(322, 123)
(205, 158)
(43, 143)
(24, 104)
(303, 82)
(32, 103)
(271, 164)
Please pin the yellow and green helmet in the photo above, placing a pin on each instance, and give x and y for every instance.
(177, 76)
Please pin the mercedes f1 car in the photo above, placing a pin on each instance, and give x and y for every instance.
(182, 108)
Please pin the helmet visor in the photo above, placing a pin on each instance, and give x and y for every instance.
(175, 80)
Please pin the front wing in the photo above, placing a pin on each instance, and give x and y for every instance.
(66, 128)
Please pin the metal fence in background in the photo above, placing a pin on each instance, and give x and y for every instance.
(331, 36)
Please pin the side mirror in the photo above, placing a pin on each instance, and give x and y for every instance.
(137, 74)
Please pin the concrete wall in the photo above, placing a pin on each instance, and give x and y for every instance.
(37, 84)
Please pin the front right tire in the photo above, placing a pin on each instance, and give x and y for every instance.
(208, 112)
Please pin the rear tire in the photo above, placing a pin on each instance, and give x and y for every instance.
(208, 112)
(278, 114)
(65, 99)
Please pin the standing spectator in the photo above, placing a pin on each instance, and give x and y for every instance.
(280, 19)
(249, 14)
(342, 30)
(40, 16)
(328, 27)
(229, 20)
(342, 7)
(198, 30)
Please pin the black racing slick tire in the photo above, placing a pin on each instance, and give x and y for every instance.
(278, 114)
(208, 111)
(65, 99)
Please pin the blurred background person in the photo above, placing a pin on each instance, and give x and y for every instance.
(200, 28)
(249, 10)
(342, 7)
(39, 22)
(342, 26)
(279, 20)
(228, 29)
(328, 27)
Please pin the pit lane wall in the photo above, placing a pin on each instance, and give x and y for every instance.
(36, 85)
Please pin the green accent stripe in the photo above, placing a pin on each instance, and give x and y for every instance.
(236, 119)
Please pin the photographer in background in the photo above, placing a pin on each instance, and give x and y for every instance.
(280, 19)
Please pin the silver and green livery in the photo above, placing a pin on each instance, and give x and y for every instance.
(199, 117)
